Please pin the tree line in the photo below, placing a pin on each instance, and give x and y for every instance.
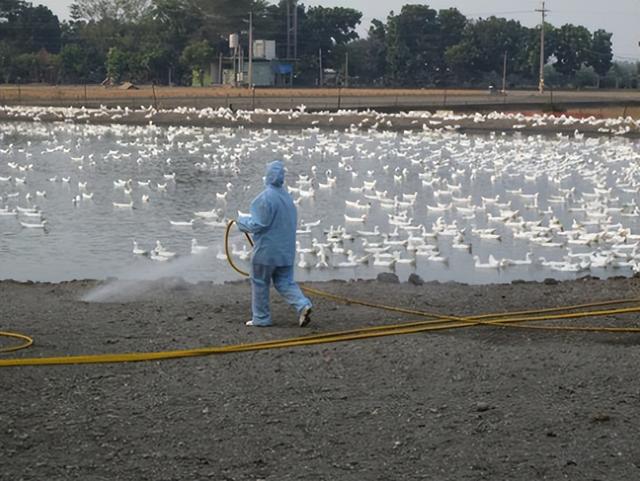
(166, 41)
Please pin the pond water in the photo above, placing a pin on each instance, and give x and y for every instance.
(445, 185)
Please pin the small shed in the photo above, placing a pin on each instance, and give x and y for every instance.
(127, 86)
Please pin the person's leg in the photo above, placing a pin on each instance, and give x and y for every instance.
(287, 287)
(260, 283)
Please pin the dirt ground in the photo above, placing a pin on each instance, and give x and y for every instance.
(73, 92)
(467, 404)
(93, 91)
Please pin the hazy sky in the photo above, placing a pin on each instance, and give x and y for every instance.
(621, 17)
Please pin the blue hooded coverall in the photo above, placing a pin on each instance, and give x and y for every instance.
(273, 222)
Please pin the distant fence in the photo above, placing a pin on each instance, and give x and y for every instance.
(137, 98)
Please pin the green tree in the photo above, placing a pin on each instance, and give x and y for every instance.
(451, 25)
(272, 24)
(600, 55)
(83, 55)
(29, 28)
(463, 60)
(361, 69)
(572, 49)
(198, 56)
(167, 29)
(622, 75)
(123, 11)
(159, 61)
(43, 27)
(117, 64)
(586, 77)
(26, 67)
(9, 8)
(138, 67)
(328, 28)
(73, 63)
(533, 50)
(222, 17)
(7, 55)
(376, 52)
(165, 40)
(484, 43)
(81, 63)
(417, 40)
(413, 46)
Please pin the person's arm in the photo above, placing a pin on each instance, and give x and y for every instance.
(260, 218)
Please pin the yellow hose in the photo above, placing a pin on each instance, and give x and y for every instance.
(475, 320)
(430, 322)
(26, 341)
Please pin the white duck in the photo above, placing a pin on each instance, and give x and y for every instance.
(380, 262)
(303, 263)
(161, 251)
(197, 249)
(138, 251)
(177, 223)
(519, 262)
(493, 263)
(29, 225)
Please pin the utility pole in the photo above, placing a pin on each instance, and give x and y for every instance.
(235, 67)
(234, 43)
(241, 64)
(295, 30)
(250, 73)
(292, 29)
(288, 55)
(543, 11)
(504, 74)
(292, 35)
(346, 70)
(321, 80)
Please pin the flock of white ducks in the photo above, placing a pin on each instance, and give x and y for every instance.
(377, 199)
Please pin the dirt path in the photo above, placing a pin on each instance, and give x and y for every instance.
(473, 403)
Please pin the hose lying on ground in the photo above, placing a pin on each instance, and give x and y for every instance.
(430, 322)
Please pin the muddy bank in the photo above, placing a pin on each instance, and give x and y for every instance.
(473, 403)
(295, 119)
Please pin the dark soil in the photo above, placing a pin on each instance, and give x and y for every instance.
(466, 404)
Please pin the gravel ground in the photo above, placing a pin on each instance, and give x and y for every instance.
(466, 404)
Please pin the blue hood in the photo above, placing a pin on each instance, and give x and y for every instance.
(275, 174)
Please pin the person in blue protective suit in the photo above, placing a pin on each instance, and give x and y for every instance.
(273, 222)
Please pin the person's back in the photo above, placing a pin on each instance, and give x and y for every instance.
(276, 243)
(273, 223)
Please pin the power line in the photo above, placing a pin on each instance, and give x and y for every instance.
(512, 12)
(594, 12)
(624, 58)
